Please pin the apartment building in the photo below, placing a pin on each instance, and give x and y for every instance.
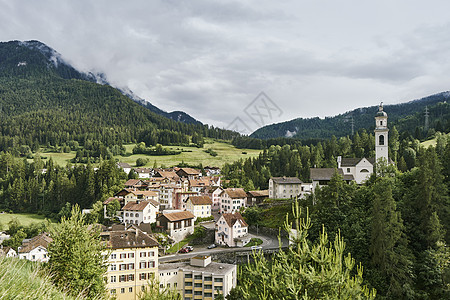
(132, 261)
(199, 279)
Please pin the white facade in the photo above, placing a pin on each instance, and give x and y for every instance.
(36, 254)
(361, 171)
(231, 201)
(231, 230)
(284, 187)
(381, 135)
(140, 212)
(198, 210)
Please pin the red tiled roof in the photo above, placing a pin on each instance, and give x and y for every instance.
(231, 219)
(200, 200)
(235, 193)
(178, 216)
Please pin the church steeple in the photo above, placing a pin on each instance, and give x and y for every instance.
(381, 134)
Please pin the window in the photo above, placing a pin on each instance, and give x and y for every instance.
(130, 290)
(113, 267)
(131, 277)
(122, 290)
(364, 171)
(113, 256)
(33, 257)
(131, 214)
(130, 255)
(188, 292)
(218, 279)
(197, 277)
(161, 285)
(113, 279)
(122, 278)
(197, 292)
(188, 276)
(188, 283)
(113, 291)
(143, 254)
(381, 140)
(130, 266)
(175, 284)
(142, 265)
(208, 286)
(198, 285)
(168, 285)
(151, 253)
(348, 170)
(142, 276)
(218, 288)
(208, 294)
(151, 264)
(123, 255)
(126, 215)
(208, 278)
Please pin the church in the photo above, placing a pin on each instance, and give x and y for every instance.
(357, 169)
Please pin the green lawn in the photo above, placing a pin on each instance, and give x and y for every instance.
(254, 242)
(24, 219)
(225, 153)
(432, 142)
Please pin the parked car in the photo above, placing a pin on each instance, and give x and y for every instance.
(255, 247)
(212, 246)
(189, 248)
(183, 250)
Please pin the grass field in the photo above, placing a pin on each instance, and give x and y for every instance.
(432, 142)
(24, 219)
(225, 153)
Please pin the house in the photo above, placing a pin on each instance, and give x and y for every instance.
(180, 199)
(199, 206)
(171, 174)
(132, 261)
(210, 171)
(4, 236)
(359, 168)
(232, 230)
(135, 184)
(125, 167)
(232, 199)
(166, 195)
(139, 195)
(177, 224)
(7, 252)
(137, 212)
(284, 187)
(196, 185)
(256, 197)
(35, 249)
(322, 176)
(144, 172)
(214, 193)
(188, 173)
(200, 278)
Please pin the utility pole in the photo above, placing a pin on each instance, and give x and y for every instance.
(353, 126)
(427, 114)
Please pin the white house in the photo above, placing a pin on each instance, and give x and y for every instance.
(199, 206)
(232, 230)
(144, 172)
(214, 193)
(359, 168)
(35, 249)
(284, 187)
(125, 167)
(7, 252)
(232, 199)
(137, 212)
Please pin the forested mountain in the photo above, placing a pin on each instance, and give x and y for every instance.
(408, 117)
(12, 56)
(46, 102)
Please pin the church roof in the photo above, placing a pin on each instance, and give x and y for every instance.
(327, 173)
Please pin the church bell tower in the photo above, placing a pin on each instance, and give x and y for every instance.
(381, 134)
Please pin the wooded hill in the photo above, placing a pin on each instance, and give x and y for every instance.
(407, 117)
(44, 101)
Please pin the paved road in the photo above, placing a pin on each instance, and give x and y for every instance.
(268, 243)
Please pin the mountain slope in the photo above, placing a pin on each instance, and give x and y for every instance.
(46, 102)
(406, 116)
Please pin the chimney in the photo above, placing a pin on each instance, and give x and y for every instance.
(339, 160)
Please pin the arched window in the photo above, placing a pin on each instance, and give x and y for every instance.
(364, 171)
(381, 140)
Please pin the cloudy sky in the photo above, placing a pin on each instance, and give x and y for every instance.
(211, 59)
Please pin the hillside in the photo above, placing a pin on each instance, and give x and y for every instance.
(46, 102)
(406, 116)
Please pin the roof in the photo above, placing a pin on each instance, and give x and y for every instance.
(178, 216)
(286, 180)
(200, 200)
(212, 268)
(111, 199)
(142, 170)
(189, 171)
(327, 173)
(263, 193)
(40, 240)
(139, 205)
(351, 162)
(145, 193)
(200, 182)
(132, 182)
(132, 237)
(235, 192)
(166, 174)
(231, 219)
(123, 165)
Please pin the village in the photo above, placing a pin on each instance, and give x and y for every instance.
(153, 216)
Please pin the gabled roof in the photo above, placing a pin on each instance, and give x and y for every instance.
(41, 240)
(111, 199)
(132, 237)
(145, 193)
(166, 174)
(263, 193)
(235, 193)
(231, 219)
(123, 165)
(327, 173)
(142, 170)
(188, 171)
(200, 200)
(178, 216)
(139, 205)
(206, 181)
(286, 180)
